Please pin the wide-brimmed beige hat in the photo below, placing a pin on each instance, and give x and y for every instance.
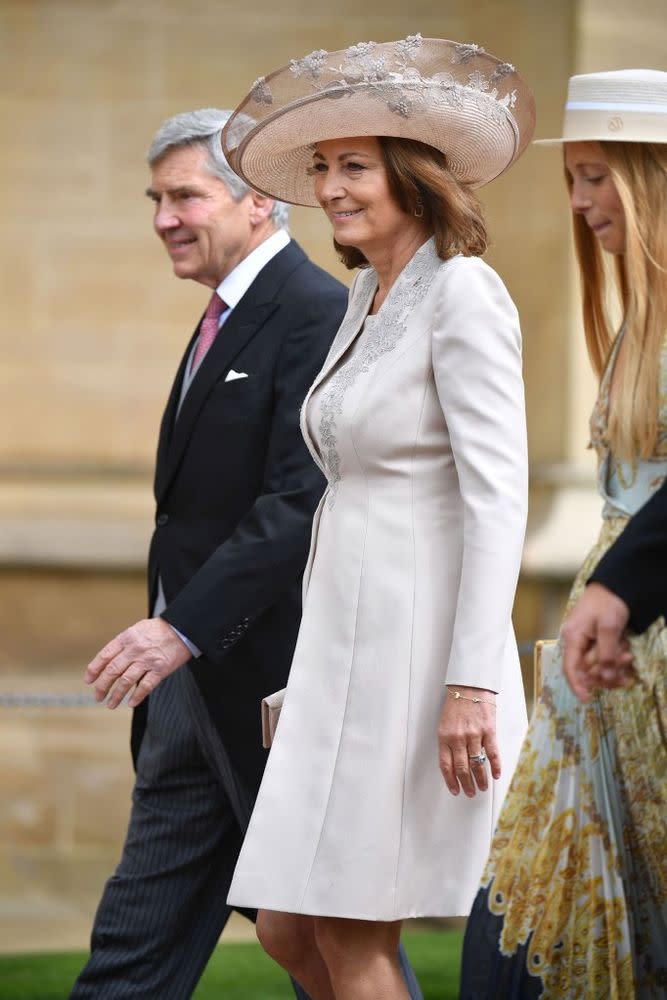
(625, 105)
(474, 108)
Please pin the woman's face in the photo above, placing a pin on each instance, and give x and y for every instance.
(352, 186)
(593, 194)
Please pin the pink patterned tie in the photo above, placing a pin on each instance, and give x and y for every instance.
(208, 330)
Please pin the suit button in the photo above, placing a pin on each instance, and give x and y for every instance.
(161, 519)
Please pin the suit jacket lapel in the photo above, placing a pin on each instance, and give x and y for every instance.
(169, 418)
(245, 320)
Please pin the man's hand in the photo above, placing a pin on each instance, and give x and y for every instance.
(139, 658)
(595, 652)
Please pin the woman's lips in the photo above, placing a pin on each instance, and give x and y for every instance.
(342, 216)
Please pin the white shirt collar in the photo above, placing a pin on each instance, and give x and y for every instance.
(233, 287)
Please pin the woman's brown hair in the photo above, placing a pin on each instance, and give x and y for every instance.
(639, 172)
(418, 175)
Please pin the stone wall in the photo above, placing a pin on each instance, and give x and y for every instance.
(93, 325)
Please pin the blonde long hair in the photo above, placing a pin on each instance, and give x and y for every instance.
(639, 172)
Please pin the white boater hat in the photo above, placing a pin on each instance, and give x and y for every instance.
(625, 105)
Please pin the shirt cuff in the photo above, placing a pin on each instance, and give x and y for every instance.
(194, 650)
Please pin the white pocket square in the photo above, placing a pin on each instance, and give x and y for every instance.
(231, 375)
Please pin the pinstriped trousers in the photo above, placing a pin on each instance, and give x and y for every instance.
(164, 908)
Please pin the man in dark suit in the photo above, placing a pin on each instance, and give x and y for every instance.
(627, 589)
(235, 490)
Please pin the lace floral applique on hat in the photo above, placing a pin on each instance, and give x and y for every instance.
(261, 92)
(466, 51)
(311, 65)
(391, 73)
(501, 71)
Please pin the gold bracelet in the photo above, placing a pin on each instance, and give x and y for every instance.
(478, 701)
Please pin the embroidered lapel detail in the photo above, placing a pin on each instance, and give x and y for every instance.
(387, 329)
(361, 298)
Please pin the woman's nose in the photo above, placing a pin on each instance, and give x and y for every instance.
(329, 186)
(579, 199)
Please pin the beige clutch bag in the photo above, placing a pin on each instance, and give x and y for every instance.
(544, 654)
(271, 706)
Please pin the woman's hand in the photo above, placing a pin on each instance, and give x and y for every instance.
(467, 729)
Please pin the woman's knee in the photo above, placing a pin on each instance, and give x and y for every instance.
(348, 944)
(286, 937)
(329, 940)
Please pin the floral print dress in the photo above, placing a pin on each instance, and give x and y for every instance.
(573, 900)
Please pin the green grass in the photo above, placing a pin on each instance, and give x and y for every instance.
(237, 971)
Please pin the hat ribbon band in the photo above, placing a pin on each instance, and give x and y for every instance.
(615, 106)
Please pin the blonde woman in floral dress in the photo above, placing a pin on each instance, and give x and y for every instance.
(572, 903)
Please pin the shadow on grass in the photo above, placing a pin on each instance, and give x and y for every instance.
(237, 971)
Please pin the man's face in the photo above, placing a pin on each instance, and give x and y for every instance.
(205, 231)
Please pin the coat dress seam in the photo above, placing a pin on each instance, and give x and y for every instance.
(319, 380)
(342, 728)
(412, 633)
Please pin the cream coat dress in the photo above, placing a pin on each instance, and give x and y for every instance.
(417, 421)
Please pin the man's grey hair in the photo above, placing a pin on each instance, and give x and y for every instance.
(203, 128)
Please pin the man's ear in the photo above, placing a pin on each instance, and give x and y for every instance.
(261, 207)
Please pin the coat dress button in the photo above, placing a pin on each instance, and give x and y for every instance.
(161, 519)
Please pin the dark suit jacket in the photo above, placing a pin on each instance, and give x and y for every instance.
(236, 490)
(635, 567)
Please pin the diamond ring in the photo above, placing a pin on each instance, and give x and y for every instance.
(478, 758)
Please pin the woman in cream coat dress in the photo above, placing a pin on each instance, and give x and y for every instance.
(417, 421)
